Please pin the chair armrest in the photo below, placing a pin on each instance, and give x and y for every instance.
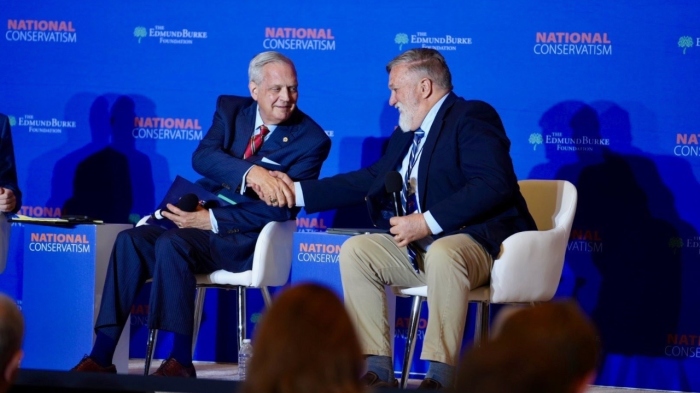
(529, 267)
(272, 260)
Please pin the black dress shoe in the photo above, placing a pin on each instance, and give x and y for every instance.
(172, 368)
(371, 379)
(87, 365)
(430, 384)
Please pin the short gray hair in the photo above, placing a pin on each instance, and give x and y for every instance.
(261, 59)
(11, 330)
(425, 61)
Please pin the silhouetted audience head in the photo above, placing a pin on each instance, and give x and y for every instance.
(11, 333)
(305, 343)
(549, 348)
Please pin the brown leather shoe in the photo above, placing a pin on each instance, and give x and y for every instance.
(87, 365)
(430, 384)
(172, 368)
(371, 379)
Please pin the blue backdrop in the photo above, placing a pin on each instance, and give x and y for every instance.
(109, 99)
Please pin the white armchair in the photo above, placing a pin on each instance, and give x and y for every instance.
(272, 261)
(529, 266)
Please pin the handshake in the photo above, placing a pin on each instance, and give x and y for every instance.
(273, 187)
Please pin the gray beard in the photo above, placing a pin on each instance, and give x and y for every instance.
(405, 120)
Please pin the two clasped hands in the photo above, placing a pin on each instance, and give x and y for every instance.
(278, 190)
(275, 188)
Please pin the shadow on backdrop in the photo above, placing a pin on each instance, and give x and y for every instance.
(84, 140)
(114, 182)
(622, 247)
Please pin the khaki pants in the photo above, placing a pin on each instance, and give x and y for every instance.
(453, 265)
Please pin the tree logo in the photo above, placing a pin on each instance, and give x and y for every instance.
(685, 42)
(675, 243)
(401, 39)
(13, 121)
(535, 139)
(140, 32)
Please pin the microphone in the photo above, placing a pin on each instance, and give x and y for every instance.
(394, 184)
(187, 202)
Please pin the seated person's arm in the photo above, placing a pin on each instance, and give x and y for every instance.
(10, 195)
(248, 216)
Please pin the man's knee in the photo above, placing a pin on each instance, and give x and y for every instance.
(358, 253)
(349, 252)
(174, 250)
(129, 242)
(445, 255)
(135, 236)
(443, 250)
(168, 241)
(127, 236)
(351, 245)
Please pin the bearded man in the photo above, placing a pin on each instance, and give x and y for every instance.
(461, 199)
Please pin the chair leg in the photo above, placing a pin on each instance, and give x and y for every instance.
(481, 331)
(266, 296)
(411, 339)
(150, 347)
(478, 328)
(486, 322)
(198, 309)
(241, 316)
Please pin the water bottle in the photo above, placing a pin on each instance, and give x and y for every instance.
(244, 355)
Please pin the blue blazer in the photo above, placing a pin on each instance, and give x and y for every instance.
(8, 171)
(297, 147)
(465, 177)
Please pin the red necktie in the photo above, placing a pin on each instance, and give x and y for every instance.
(255, 142)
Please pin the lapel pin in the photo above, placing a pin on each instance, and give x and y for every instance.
(285, 139)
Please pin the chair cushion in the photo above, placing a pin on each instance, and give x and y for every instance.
(224, 277)
(480, 294)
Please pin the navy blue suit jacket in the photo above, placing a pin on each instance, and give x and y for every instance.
(8, 171)
(465, 177)
(297, 147)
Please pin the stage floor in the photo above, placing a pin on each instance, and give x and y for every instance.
(229, 372)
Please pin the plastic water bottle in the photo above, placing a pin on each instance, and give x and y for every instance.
(244, 356)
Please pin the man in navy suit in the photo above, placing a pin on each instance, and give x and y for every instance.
(10, 195)
(459, 185)
(233, 162)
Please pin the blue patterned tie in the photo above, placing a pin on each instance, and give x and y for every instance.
(411, 206)
(412, 159)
